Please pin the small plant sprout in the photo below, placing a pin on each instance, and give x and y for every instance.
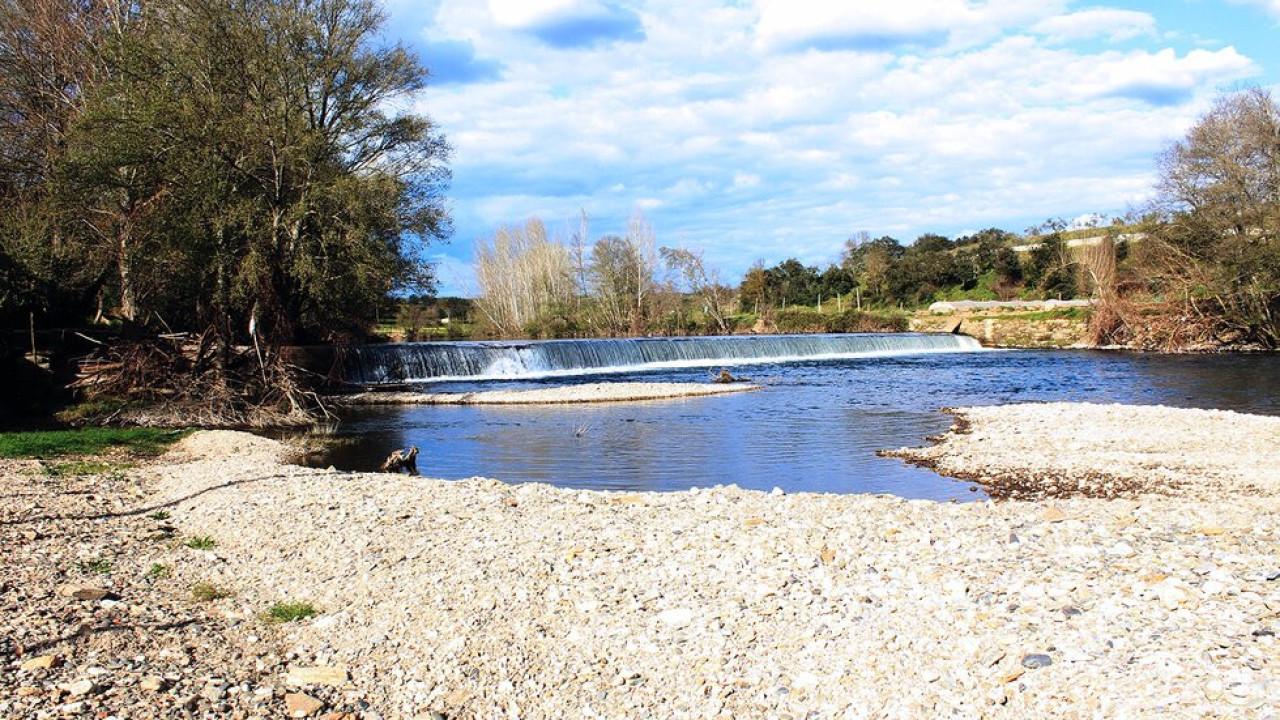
(95, 566)
(158, 570)
(201, 542)
(208, 592)
(159, 515)
(288, 612)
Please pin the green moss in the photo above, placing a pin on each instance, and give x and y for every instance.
(87, 441)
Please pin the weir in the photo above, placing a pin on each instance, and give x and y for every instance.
(420, 362)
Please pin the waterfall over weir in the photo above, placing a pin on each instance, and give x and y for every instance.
(420, 362)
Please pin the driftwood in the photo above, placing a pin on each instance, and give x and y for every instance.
(725, 377)
(406, 460)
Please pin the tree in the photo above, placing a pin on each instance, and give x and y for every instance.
(701, 281)
(523, 273)
(1217, 239)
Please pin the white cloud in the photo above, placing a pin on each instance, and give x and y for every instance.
(749, 153)
(532, 13)
(790, 24)
(1271, 6)
(1113, 24)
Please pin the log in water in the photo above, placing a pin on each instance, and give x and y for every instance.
(409, 362)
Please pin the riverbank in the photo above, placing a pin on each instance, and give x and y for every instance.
(476, 599)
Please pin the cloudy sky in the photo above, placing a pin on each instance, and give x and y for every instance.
(767, 129)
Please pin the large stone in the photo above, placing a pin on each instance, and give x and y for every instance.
(317, 676)
(44, 662)
(84, 592)
(297, 705)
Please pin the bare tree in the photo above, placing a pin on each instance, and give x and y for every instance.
(522, 272)
(702, 282)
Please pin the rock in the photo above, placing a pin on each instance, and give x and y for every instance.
(827, 556)
(1053, 514)
(298, 705)
(152, 683)
(80, 688)
(1035, 661)
(44, 662)
(72, 708)
(29, 691)
(676, 617)
(317, 676)
(1121, 549)
(85, 592)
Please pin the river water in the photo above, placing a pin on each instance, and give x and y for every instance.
(815, 426)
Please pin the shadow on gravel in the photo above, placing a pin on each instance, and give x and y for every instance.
(140, 510)
(85, 632)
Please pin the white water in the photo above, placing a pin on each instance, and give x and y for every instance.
(422, 362)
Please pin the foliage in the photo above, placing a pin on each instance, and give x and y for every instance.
(290, 611)
(100, 566)
(208, 592)
(1213, 234)
(245, 172)
(158, 571)
(87, 441)
(201, 542)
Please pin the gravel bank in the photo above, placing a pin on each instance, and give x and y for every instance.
(475, 599)
(589, 393)
(1041, 450)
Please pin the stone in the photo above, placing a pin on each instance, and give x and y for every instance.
(84, 592)
(29, 691)
(317, 676)
(80, 688)
(1121, 549)
(827, 556)
(1053, 514)
(676, 617)
(152, 683)
(298, 705)
(1035, 661)
(72, 708)
(44, 662)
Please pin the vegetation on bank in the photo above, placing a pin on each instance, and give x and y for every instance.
(236, 177)
(87, 441)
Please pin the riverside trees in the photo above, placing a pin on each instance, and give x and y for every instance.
(236, 169)
(1213, 236)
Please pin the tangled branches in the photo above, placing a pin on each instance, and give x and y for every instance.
(180, 380)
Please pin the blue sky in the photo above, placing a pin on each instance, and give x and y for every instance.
(767, 129)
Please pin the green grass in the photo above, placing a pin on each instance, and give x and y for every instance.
(88, 441)
(288, 612)
(95, 566)
(208, 592)
(158, 571)
(159, 515)
(80, 468)
(201, 542)
(1074, 313)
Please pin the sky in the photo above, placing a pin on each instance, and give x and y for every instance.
(758, 130)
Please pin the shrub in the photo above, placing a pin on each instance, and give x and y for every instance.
(208, 592)
(288, 612)
(201, 542)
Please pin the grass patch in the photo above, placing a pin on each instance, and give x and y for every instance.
(201, 542)
(159, 515)
(89, 441)
(103, 567)
(288, 612)
(158, 571)
(208, 592)
(99, 407)
(1074, 313)
(80, 468)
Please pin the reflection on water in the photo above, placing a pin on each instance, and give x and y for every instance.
(814, 427)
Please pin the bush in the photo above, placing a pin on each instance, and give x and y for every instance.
(288, 612)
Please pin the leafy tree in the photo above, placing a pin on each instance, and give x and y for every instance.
(254, 139)
(1216, 242)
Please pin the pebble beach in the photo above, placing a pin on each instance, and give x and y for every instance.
(1133, 571)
